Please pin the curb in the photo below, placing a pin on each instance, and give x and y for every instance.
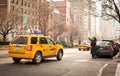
(117, 73)
(117, 56)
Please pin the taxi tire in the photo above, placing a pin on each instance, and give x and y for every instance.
(38, 58)
(59, 55)
(16, 60)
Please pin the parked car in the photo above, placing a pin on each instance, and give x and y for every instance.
(104, 48)
(84, 46)
(114, 45)
(34, 47)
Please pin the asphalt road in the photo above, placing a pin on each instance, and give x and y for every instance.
(74, 63)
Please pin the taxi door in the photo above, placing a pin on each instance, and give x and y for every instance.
(52, 48)
(44, 46)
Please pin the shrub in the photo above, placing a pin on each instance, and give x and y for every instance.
(65, 44)
(4, 42)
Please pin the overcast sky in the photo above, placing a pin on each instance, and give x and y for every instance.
(58, 0)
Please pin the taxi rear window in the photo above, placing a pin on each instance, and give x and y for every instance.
(20, 40)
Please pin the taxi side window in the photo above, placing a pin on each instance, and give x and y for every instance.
(34, 40)
(49, 41)
(43, 41)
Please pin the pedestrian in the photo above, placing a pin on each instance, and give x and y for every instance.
(93, 47)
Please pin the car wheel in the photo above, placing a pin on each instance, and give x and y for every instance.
(98, 56)
(38, 58)
(59, 55)
(16, 60)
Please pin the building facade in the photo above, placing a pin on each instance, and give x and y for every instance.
(81, 17)
(26, 10)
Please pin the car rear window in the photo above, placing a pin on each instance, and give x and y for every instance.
(103, 43)
(20, 40)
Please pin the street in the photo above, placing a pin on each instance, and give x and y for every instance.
(74, 63)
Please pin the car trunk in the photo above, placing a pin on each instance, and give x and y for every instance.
(104, 48)
(19, 45)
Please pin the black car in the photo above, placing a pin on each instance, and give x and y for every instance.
(104, 48)
(114, 45)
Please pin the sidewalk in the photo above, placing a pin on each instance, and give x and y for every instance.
(3, 47)
(3, 54)
(117, 73)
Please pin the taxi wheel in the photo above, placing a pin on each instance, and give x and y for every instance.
(38, 58)
(16, 60)
(59, 55)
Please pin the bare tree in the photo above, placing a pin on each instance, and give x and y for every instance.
(45, 12)
(59, 30)
(110, 10)
(73, 34)
(7, 24)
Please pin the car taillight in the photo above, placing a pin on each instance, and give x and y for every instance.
(29, 48)
(109, 48)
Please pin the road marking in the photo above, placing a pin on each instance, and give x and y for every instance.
(117, 73)
(82, 60)
(101, 70)
(67, 73)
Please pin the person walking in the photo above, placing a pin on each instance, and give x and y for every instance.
(93, 47)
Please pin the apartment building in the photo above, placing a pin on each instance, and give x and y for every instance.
(80, 17)
(27, 10)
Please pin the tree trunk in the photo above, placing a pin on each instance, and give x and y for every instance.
(4, 37)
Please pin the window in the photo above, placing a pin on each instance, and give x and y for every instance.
(43, 41)
(12, 9)
(50, 41)
(28, 4)
(22, 3)
(34, 40)
(33, 6)
(42, 1)
(25, 3)
(20, 40)
(16, 1)
(12, 1)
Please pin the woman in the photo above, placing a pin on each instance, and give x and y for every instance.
(93, 46)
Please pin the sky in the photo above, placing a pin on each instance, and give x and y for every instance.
(57, 0)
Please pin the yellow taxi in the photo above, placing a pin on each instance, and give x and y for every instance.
(34, 47)
(84, 46)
